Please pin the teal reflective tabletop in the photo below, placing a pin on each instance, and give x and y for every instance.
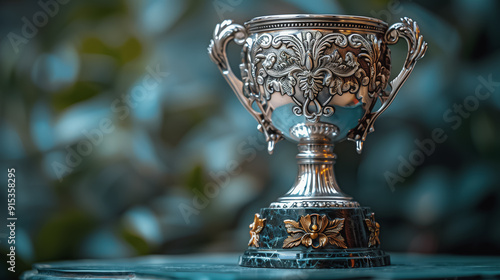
(224, 266)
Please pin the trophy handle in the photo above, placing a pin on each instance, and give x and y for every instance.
(225, 32)
(409, 30)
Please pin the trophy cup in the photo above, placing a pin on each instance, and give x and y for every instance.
(315, 80)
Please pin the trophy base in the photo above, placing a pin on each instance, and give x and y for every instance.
(314, 237)
(282, 258)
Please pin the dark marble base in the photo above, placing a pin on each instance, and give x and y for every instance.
(347, 258)
(356, 252)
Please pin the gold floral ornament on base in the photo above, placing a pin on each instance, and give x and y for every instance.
(255, 228)
(314, 230)
(374, 228)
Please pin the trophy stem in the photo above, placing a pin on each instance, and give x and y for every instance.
(316, 178)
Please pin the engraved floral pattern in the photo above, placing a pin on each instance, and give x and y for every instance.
(310, 62)
(303, 62)
(314, 231)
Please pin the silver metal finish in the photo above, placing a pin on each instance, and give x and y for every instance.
(315, 80)
(309, 130)
(316, 180)
(314, 204)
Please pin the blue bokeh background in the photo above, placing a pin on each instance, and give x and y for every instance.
(127, 141)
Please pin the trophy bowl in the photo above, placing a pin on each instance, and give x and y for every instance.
(315, 80)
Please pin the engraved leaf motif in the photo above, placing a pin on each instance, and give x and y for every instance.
(338, 242)
(290, 42)
(255, 228)
(339, 66)
(311, 83)
(296, 234)
(374, 229)
(305, 222)
(314, 231)
(327, 41)
(277, 73)
(335, 226)
(323, 223)
(323, 239)
(334, 84)
(306, 240)
(287, 85)
(333, 233)
(292, 241)
(292, 226)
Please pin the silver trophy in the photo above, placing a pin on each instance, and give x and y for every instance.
(316, 80)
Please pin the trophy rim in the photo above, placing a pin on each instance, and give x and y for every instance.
(336, 21)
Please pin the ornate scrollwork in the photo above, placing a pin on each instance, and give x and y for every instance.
(223, 34)
(314, 231)
(311, 61)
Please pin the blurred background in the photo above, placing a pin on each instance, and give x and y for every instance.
(127, 141)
